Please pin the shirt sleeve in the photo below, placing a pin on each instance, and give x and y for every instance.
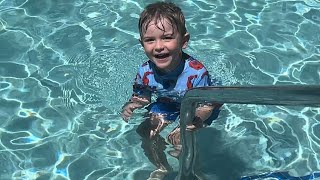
(203, 79)
(140, 86)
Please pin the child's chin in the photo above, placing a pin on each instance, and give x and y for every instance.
(163, 65)
(162, 60)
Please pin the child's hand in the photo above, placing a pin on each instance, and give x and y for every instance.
(135, 103)
(202, 114)
(128, 109)
(197, 123)
(174, 137)
(158, 124)
(141, 100)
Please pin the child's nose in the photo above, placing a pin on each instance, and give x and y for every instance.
(159, 46)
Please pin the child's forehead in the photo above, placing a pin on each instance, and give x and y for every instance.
(160, 22)
(163, 24)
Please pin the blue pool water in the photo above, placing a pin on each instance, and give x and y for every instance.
(66, 68)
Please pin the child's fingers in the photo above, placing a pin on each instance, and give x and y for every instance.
(197, 123)
(126, 115)
(174, 137)
(128, 110)
(195, 127)
(132, 106)
(135, 106)
(140, 100)
(191, 128)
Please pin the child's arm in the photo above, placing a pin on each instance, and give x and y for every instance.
(204, 116)
(141, 97)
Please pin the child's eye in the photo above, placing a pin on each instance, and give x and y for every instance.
(168, 37)
(148, 40)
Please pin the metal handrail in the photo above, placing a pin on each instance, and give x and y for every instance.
(288, 95)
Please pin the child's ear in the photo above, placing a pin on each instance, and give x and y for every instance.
(185, 40)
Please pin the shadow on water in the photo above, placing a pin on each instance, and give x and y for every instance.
(215, 161)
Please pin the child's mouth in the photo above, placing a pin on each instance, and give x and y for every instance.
(162, 56)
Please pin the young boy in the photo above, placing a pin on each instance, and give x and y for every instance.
(168, 74)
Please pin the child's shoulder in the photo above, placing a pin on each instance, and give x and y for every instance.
(145, 67)
(194, 63)
(144, 64)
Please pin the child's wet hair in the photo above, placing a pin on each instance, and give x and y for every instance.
(159, 11)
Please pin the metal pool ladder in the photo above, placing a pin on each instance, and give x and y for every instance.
(287, 95)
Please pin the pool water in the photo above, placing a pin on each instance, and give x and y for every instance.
(66, 69)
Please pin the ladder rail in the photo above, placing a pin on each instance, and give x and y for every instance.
(284, 95)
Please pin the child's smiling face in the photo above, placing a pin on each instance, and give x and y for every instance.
(163, 44)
